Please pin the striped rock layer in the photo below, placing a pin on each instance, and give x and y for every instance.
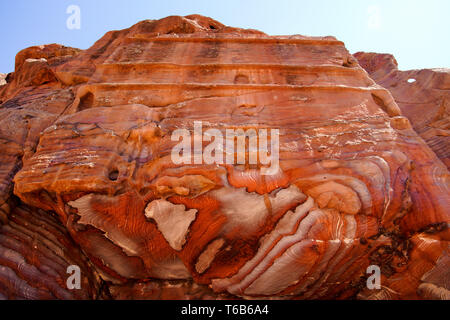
(422, 95)
(356, 185)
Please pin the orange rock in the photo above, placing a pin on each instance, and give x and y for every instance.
(422, 95)
(355, 185)
(35, 66)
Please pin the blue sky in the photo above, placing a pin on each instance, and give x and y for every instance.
(415, 31)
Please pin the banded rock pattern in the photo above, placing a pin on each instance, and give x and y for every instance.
(356, 186)
(35, 254)
(422, 95)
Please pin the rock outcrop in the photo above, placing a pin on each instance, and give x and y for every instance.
(422, 95)
(89, 135)
(36, 253)
(2, 79)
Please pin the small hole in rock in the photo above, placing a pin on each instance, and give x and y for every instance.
(113, 175)
(86, 101)
(9, 77)
(411, 80)
(212, 27)
(241, 79)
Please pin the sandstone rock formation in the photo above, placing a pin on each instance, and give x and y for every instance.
(35, 253)
(422, 95)
(2, 79)
(87, 136)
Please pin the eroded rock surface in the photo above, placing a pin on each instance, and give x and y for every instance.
(2, 79)
(36, 252)
(422, 95)
(90, 139)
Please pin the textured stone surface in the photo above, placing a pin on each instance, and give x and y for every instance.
(164, 290)
(35, 253)
(422, 95)
(356, 185)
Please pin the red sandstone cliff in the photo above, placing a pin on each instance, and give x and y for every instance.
(85, 140)
(422, 95)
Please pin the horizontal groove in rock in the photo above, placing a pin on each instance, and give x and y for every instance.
(256, 40)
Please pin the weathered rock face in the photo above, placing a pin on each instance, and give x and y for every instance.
(422, 95)
(354, 185)
(2, 79)
(35, 253)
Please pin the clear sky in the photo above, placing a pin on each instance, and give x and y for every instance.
(417, 32)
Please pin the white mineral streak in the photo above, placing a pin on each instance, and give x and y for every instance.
(331, 258)
(207, 257)
(112, 232)
(249, 211)
(433, 292)
(172, 220)
(275, 272)
(288, 254)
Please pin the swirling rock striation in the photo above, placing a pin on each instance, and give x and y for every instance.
(355, 186)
